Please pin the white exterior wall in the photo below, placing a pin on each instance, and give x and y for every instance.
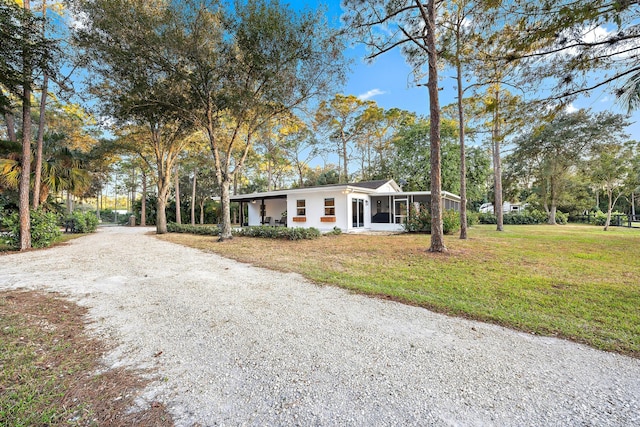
(344, 197)
(314, 202)
(386, 188)
(386, 227)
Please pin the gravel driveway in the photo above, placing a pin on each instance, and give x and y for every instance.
(246, 346)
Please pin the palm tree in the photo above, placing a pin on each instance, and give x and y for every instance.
(9, 165)
(62, 169)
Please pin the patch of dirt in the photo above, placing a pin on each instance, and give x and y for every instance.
(91, 395)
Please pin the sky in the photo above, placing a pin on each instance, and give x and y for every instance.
(388, 80)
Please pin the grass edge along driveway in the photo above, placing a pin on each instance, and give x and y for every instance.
(574, 281)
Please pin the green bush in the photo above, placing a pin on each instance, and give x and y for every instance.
(44, 229)
(600, 218)
(205, 230)
(526, 217)
(420, 221)
(267, 232)
(562, 218)
(85, 222)
(473, 218)
(335, 232)
(487, 218)
(450, 221)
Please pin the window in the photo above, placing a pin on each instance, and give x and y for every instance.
(330, 206)
(301, 209)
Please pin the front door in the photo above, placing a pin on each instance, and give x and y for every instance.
(357, 213)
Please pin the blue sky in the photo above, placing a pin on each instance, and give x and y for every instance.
(389, 80)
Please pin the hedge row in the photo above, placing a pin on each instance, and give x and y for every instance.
(296, 233)
(266, 232)
(523, 218)
(45, 229)
(600, 218)
(206, 230)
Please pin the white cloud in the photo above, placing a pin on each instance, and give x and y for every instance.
(570, 108)
(595, 35)
(370, 94)
(600, 34)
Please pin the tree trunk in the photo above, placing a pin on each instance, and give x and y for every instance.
(609, 209)
(225, 225)
(463, 164)
(11, 126)
(345, 167)
(193, 198)
(134, 187)
(177, 190)
(552, 210)
(301, 176)
(202, 212)
(437, 235)
(69, 207)
(43, 103)
(633, 205)
(98, 204)
(143, 202)
(497, 166)
(161, 215)
(164, 183)
(24, 212)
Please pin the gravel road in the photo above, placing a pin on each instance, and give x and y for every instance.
(231, 344)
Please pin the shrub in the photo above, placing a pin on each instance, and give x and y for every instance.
(267, 232)
(85, 222)
(44, 229)
(561, 217)
(473, 218)
(450, 221)
(600, 218)
(335, 232)
(487, 218)
(205, 230)
(420, 221)
(526, 217)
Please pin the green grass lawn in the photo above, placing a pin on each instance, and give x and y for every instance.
(574, 281)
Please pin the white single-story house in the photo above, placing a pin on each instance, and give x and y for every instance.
(364, 206)
(507, 207)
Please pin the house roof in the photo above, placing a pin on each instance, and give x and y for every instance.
(372, 185)
(364, 187)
